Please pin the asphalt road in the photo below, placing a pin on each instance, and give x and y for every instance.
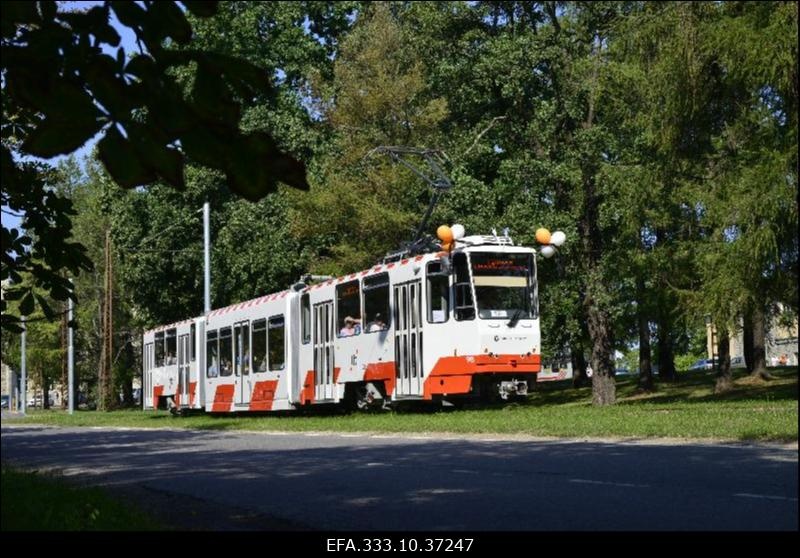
(360, 482)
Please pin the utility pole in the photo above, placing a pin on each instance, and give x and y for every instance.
(23, 387)
(206, 258)
(64, 325)
(71, 393)
(105, 387)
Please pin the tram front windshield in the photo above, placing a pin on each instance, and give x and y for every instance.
(503, 285)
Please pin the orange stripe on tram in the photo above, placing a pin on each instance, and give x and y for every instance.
(223, 398)
(263, 395)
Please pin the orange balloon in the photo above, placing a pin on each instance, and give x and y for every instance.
(445, 234)
(542, 236)
(446, 246)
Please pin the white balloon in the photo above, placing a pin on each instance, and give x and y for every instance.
(548, 251)
(458, 231)
(558, 238)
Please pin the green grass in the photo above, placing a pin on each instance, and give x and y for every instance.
(37, 502)
(688, 408)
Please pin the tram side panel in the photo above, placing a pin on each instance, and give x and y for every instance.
(161, 360)
(247, 358)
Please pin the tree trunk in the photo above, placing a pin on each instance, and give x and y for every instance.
(667, 305)
(45, 383)
(127, 383)
(747, 341)
(724, 379)
(604, 391)
(579, 377)
(645, 367)
(666, 359)
(759, 368)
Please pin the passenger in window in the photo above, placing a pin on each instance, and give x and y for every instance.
(213, 370)
(377, 324)
(352, 326)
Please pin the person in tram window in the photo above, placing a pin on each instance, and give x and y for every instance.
(225, 367)
(352, 326)
(377, 324)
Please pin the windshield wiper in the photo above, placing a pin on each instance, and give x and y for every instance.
(515, 318)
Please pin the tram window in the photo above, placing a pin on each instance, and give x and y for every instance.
(277, 349)
(172, 347)
(504, 286)
(465, 309)
(438, 294)
(212, 355)
(225, 352)
(192, 339)
(348, 305)
(376, 302)
(159, 345)
(260, 345)
(305, 318)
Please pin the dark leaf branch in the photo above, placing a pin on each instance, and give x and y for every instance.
(61, 90)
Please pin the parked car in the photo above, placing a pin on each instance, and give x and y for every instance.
(704, 364)
(622, 372)
(699, 365)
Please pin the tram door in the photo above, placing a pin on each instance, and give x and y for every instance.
(408, 337)
(149, 364)
(183, 370)
(241, 359)
(323, 351)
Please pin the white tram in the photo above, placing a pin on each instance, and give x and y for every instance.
(441, 325)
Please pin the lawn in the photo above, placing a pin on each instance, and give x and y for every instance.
(37, 502)
(687, 408)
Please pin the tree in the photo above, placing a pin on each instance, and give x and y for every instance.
(43, 351)
(378, 96)
(722, 138)
(755, 203)
(540, 147)
(94, 195)
(60, 89)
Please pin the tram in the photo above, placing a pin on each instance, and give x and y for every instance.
(456, 322)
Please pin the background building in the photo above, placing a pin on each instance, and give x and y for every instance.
(780, 343)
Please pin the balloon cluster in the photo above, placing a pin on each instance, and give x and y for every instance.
(449, 235)
(550, 241)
